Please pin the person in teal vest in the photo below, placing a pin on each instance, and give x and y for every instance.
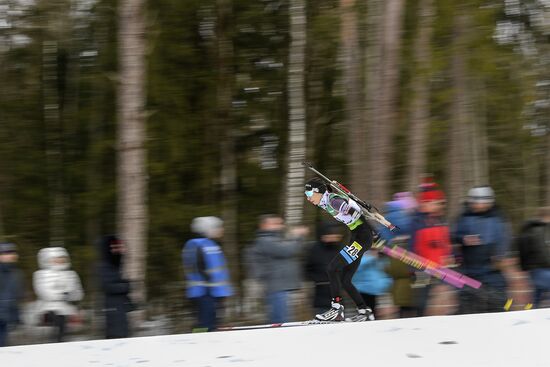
(206, 271)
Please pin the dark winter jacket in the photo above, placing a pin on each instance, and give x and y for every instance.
(277, 261)
(115, 290)
(495, 240)
(11, 292)
(533, 245)
(316, 265)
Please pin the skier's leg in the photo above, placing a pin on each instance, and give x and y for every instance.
(341, 270)
(334, 271)
(347, 275)
(360, 242)
(370, 301)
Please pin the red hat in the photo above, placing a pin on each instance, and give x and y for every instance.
(429, 191)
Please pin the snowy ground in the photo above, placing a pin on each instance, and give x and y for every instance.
(504, 339)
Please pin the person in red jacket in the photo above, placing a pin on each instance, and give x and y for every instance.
(430, 236)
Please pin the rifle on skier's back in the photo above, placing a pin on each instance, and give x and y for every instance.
(368, 210)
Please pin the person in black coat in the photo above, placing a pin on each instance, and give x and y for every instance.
(11, 290)
(533, 244)
(321, 253)
(115, 288)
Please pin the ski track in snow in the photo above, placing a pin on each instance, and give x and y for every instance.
(501, 339)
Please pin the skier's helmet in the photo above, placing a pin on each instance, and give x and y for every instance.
(315, 185)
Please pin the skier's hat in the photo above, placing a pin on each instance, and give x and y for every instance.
(481, 194)
(316, 185)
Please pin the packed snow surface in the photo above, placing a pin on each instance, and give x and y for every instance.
(502, 339)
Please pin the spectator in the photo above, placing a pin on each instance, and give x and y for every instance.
(57, 288)
(400, 212)
(206, 271)
(253, 292)
(430, 238)
(11, 290)
(483, 238)
(534, 250)
(403, 294)
(318, 258)
(115, 288)
(277, 259)
(370, 279)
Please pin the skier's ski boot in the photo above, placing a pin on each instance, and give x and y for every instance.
(336, 313)
(363, 314)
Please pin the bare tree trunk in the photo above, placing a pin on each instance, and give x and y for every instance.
(294, 208)
(531, 179)
(54, 139)
(457, 136)
(2, 233)
(391, 48)
(479, 138)
(373, 82)
(131, 153)
(547, 201)
(420, 119)
(356, 140)
(228, 155)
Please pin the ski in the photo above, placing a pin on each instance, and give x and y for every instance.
(447, 275)
(285, 324)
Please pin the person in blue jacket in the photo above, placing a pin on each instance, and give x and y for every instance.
(370, 279)
(206, 271)
(400, 212)
(483, 239)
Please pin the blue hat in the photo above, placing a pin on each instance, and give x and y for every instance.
(7, 247)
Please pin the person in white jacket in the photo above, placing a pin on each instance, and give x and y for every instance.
(57, 287)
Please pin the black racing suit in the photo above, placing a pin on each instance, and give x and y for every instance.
(344, 265)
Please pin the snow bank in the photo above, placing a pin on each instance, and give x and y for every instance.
(503, 339)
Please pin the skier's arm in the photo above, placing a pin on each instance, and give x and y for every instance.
(345, 206)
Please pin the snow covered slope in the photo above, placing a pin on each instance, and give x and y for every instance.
(504, 339)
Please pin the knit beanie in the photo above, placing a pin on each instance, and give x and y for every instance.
(206, 226)
(481, 194)
(7, 248)
(429, 191)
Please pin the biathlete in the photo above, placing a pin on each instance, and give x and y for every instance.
(344, 265)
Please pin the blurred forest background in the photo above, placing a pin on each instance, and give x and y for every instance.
(135, 116)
